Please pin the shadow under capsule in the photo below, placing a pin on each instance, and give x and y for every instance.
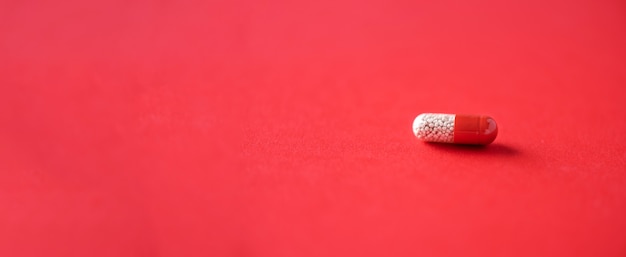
(491, 149)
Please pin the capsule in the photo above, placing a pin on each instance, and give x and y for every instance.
(455, 128)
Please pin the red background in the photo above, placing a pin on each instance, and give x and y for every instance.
(283, 128)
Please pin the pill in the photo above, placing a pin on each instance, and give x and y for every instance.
(455, 128)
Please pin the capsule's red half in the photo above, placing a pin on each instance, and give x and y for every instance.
(474, 129)
(458, 129)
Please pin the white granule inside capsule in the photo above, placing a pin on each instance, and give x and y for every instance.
(434, 127)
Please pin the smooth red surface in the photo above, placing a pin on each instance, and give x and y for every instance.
(474, 129)
(283, 128)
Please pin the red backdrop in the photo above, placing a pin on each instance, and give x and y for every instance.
(283, 128)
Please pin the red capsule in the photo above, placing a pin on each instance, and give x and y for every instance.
(457, 129)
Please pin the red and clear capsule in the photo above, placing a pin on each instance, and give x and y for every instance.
(453, 128)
